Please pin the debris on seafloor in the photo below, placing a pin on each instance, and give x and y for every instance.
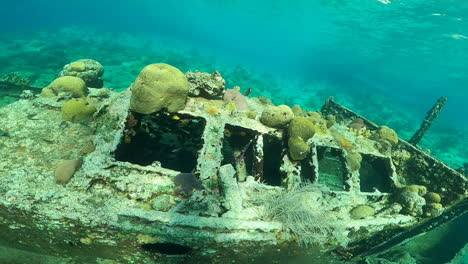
(207, 178)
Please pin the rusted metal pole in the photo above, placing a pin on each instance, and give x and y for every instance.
(427, 122)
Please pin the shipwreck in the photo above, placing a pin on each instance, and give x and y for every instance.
(177, 167)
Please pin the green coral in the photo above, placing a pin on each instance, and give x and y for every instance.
(159, 86)
(298, 148)
(77, 110)
(301, 127)
(361, 211)
(74, 86)
(432, 197)
(297, 110)
(419, 189)
(277, 116)
(320, 124)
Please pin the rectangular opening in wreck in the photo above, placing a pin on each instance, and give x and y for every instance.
(331, 168)
(374, 174)
(239, 150)
(308, 170)
(272, 156)
(174, 140)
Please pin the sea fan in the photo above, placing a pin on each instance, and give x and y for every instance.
(296, 211)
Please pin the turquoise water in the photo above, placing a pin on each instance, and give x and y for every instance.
(398, 58)
(387, 60)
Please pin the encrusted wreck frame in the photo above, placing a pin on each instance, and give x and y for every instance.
(108, 203)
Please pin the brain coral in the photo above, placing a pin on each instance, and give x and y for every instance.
(159, 86)
(75, 86)
(277, 116)
(386, 133)
(301, 127)
(77, 110)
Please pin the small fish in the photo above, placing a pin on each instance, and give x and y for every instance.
(249, 90)
(47, 141)
(31, 116)
(176, 117)
(4, 133)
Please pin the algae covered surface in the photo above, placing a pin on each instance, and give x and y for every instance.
(233, 132)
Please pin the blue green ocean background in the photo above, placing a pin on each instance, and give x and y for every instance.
(388, 60)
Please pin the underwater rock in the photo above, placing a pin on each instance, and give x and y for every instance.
(72, 86)
(27, 95)
(77, 110)
(88, 70)
(277, 116)
(205, 84)
(361, 211)
(65, 170)
(159, 86)
(235, 96)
